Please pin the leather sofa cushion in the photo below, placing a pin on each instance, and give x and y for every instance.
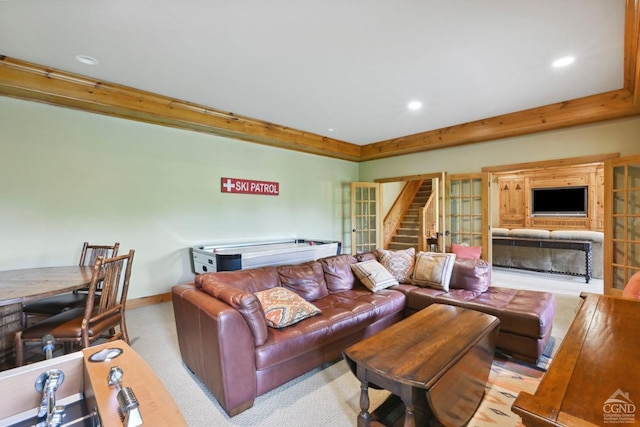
(306, 280)
(342, 314)
(366, 256)
(252, 281)
(386, 302)
(521, 312)
(418, 297)
(338, 318)
(337, 272)
(471, 275)
(246, 303)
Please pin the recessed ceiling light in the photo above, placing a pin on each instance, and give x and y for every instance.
(88, 60)
(563, 62)
(414, 105)
(332, 129)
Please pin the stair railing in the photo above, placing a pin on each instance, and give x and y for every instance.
(428, 223)
(394, 217)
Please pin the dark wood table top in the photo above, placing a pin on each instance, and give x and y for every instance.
(421, 348)
(596, 362)
(19, 286)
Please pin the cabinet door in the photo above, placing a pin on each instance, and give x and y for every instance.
(512, 212)
(599, 190)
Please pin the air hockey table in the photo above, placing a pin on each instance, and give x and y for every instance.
(241, 256)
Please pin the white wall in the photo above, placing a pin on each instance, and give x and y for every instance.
(68, 176)
(620, 136)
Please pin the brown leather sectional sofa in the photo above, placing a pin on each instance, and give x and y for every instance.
(225, 341)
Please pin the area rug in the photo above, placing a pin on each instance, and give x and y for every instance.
(506, 380)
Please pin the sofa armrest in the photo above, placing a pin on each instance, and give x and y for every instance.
(246, 303)
(217, 346)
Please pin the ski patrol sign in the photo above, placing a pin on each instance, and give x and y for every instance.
(248, 186)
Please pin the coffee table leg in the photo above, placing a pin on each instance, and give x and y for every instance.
(409, 420)
(364, 417)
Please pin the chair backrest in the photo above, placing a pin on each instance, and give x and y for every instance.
(106, 303)
(90, 253)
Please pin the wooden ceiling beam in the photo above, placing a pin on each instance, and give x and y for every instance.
(606, 106)
(24, 80)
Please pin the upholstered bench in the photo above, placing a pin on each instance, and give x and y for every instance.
(575, 252)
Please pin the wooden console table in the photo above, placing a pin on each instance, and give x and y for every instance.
(593, 380)
(436, 363)
(578, 245)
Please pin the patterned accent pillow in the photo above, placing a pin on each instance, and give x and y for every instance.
(373, 275)
(283, 307)
(433, 269)
(399, 263)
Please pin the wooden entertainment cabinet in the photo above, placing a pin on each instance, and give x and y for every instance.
(516, 199)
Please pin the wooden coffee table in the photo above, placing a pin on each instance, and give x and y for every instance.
(435, 363)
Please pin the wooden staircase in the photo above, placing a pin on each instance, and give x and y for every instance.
(407, 235)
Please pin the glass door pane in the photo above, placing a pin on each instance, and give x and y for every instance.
(622, 222)
(365, 216)
(465, 219)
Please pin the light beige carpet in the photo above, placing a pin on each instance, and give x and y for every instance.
(326, 396)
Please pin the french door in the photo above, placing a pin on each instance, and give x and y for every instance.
(622, 222)
(366, 216)
(468, 198)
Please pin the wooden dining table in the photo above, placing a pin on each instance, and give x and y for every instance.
(23, 285)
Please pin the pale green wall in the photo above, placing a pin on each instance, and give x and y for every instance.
(621, 136)
(69, 176)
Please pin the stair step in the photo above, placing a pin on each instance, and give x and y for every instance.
(407, 232)
(405, 239)
(397, 246)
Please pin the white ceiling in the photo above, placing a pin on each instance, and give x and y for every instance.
(350, 65)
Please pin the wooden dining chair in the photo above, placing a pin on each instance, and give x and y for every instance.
(50, 306)
(97, 320)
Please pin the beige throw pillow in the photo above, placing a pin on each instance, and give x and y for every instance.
(373, 275)
(433, 269)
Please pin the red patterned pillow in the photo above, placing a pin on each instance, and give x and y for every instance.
(283, 307)
(464, 251)
(399, 262)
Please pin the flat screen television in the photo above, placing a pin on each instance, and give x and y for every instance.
(560, 201)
